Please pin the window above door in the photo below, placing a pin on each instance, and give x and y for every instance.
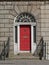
(25, 17)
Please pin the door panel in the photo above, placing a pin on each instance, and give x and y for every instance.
(25, 37)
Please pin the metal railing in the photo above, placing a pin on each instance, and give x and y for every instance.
(41, 47)
(5, 51)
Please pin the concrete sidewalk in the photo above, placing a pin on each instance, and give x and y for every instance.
(24, 62)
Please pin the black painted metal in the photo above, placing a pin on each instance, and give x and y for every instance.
(45, 51)
(5, 51)
(41, 49)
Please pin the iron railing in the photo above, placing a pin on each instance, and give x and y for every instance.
(5, 51)
(41, 47)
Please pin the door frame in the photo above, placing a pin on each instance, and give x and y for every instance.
(32, 40)
(17, 45)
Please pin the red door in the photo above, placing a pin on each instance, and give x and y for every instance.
(25, 38)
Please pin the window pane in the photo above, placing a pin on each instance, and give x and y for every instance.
(34, 34)
(25, 17)
(16, 34)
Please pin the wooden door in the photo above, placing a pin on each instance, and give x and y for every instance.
(25, 37)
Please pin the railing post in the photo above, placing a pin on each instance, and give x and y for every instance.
(42, 46)
(45, 51)
(4, 50)
(41, 50)
(8, 46)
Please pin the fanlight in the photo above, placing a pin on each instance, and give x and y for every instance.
(25, 17)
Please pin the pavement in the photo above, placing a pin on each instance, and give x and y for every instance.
(24, 62)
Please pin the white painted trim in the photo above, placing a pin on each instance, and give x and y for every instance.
(14, 37)
(25, 23)
(17, 45)
(19, 42)
(32, 41)
(18, 38)
(33, 45)
(16, 50)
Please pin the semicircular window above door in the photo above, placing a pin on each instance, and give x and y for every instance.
(25, 17)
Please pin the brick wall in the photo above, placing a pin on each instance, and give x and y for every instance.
(6, 23)
(45, 26)
(9, 10)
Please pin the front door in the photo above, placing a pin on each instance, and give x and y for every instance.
(25, 37)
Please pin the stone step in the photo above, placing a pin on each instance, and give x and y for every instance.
(17, 58)
(23, 56)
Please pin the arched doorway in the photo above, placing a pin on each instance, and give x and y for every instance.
(24, 33)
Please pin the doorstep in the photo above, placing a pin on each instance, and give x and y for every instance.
(27, 56)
